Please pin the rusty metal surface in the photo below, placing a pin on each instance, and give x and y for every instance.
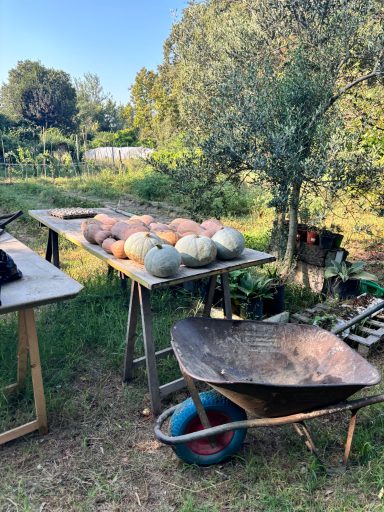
(271, 369)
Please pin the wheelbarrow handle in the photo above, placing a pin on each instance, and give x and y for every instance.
(352, 405)
(9, 218)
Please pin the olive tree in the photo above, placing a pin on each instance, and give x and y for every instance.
(259, 82)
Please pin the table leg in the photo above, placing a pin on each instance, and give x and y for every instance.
(226, 296)
(209, 299)
(37, 380)
(48, 252)
(149, 346)
(52, 250)
(55, 248)
(22, 351)
(133, 312)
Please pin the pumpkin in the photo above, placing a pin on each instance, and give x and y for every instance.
(211, 226)
(122, 230)
(134, 222)
(189, 226)
(196, 251)
(90, 232)
(175, 223)
(105, 219)
(138, 244)
(162, 261)
(160, 225)
(147, 219)
(229, 242)
(107, 244)
(89, 222)
(117, 249)
(101, 235)
(167, 235)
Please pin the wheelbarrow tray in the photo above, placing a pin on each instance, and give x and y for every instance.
(269, 369)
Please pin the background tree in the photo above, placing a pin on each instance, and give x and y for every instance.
(259, 81)
(96, 109)
(43, 96)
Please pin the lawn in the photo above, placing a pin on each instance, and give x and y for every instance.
(101, 454)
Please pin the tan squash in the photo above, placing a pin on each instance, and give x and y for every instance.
(107, 244)
(105, 219)
(211, 226)
(117, 249)
(89, 222)
(167, 235)
(90, 232)
(101, 235)
(189, 226)
(123, 231)
(147, 219)
(175, 223)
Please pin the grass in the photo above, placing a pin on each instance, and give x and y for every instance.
(101, 453)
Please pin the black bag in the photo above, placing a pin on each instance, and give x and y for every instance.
(8, 269)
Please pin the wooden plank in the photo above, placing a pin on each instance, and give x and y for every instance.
(10, 435)
(140, 361)
(367, 330)
(22, 350)
(210, 294)
(226, 296)
(37, 379)
(301, 318)
(133, 313)
(70, 229)
(149, 347)
(172, 387)
(376, 323)
(42, 283)
(358, 339)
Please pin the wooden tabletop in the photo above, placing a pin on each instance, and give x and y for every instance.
(42, 283)
(70, 229)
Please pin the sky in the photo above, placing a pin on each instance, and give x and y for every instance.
(111, 38)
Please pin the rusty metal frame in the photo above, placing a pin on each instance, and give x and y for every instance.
(296, 419)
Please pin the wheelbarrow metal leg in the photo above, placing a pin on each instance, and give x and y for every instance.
(351, 431)
(302, 429)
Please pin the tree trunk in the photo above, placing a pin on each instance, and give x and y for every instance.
(292, 232)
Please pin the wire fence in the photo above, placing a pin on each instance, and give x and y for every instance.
(17, 171)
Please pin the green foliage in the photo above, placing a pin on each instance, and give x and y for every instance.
(247, 286)
(41, 95)
(96, 109)
(121, 138)
(344, 272)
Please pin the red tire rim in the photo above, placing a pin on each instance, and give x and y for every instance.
(209, 446)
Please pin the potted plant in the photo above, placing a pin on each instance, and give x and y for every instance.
(337, 236)
(347, 277)
(275, 304)
(326, 238)
(251, 289)
(312, 235)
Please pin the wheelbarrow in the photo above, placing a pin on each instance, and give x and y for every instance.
(278, 373)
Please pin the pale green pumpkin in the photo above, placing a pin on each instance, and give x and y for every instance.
(229, 243)
(138, 244)
(162, 261)
(196, 250)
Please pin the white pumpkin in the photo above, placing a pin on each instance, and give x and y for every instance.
(229, 243)
(138, 244)
(196, 250)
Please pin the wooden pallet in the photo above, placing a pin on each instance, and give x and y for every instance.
(365, 336)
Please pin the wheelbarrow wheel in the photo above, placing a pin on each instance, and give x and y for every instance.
(204, 452)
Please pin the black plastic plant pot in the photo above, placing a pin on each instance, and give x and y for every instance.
(326, 241)
(276, 304)
(348, 289)
(337, 239)
(254, 309)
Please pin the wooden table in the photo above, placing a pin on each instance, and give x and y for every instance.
(42, 283)
(142, 285)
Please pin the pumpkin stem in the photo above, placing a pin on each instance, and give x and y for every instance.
(159, 246)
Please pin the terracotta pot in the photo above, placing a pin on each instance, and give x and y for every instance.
(312, 237)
